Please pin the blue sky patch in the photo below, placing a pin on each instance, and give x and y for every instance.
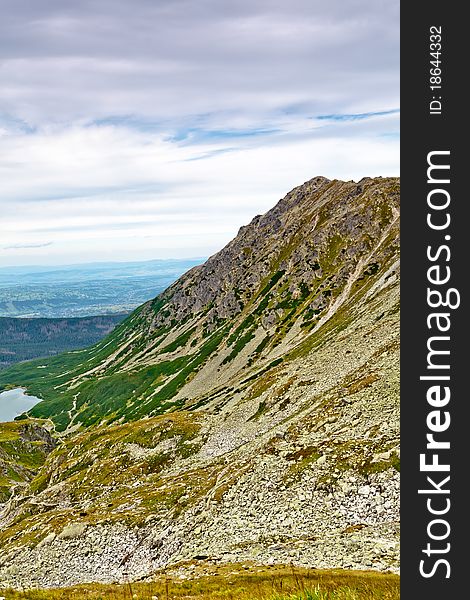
(357, 116)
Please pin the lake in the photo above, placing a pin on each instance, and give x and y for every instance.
(14, 402)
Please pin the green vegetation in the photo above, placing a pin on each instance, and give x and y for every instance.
(236, 582)
(129, 374)
(180, 341)
(272, 282)
(115, 394)
(248, 322)
(194, 362)
(24, 446)
(262, 345)
(129, 457)
(120, 394)
(240, 343)
(260, 411)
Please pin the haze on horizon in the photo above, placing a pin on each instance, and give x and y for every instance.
(155, 129)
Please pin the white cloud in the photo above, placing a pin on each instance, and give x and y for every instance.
(109, 185)
(155, 129)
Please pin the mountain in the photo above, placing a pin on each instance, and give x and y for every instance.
(25, 339)
(249, 412)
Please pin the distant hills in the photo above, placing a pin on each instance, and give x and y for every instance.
(24, 339)
(85, 289)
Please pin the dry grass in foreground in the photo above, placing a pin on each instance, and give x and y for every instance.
(235, 582)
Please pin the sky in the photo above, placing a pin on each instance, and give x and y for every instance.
(156, 128)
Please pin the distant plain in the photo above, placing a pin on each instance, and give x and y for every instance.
(85, 289)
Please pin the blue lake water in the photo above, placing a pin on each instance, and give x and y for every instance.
(15, 402)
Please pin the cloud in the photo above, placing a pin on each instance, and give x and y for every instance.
(207, 60)
(102, 189)
(357, 117)
(155, 129)
(22, 246)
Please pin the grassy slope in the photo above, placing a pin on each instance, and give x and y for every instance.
(237, 582)
(22, 453)
(97, 467)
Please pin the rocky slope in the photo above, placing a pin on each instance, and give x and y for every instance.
(248, 412)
